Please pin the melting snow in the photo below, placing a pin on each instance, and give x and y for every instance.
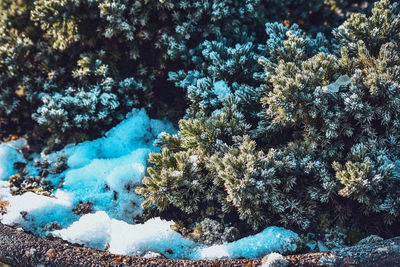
(105, 172)
(96, 230)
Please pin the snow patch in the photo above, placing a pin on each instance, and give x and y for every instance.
(96, 230)
(104, 172)
(215, 252)
(221, 89)
(8, 156)
(5, 192)
(343, 80)
(156, 235)
(272, 239)
(92, 230)
(33, 212)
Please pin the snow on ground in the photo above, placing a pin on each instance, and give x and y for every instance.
(96, 230)
(31, 211)
(92, 230)
(105, 172)
(34, 212)
(8, 156)
(5, 192)
(272, 239)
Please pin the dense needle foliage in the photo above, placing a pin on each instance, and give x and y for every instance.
(290, 110)
(313, 138)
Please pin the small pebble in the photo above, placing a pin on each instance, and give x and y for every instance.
(154, 255)
(51, 253)
(30, 253)
(274, 260)
(384, 249)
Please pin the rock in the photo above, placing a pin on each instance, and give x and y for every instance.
(382, 250)
(67, 251)
(31, 252)
(51, 253)
(370, 239)
(52, 226)
(349, 261)
(274, 260)
(117, 259)
(16, 180)
(154, 255)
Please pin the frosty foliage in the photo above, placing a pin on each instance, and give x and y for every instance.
(287, 126)
(317, 140)
(90, 107)
(58, 57)
(212, 232)
(228, 177)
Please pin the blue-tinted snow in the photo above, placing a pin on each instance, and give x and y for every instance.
(8, 156)
(272, 239)
(105, 172)
(96, 230)
(221, 89)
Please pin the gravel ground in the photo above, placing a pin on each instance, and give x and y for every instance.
(18, 248)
